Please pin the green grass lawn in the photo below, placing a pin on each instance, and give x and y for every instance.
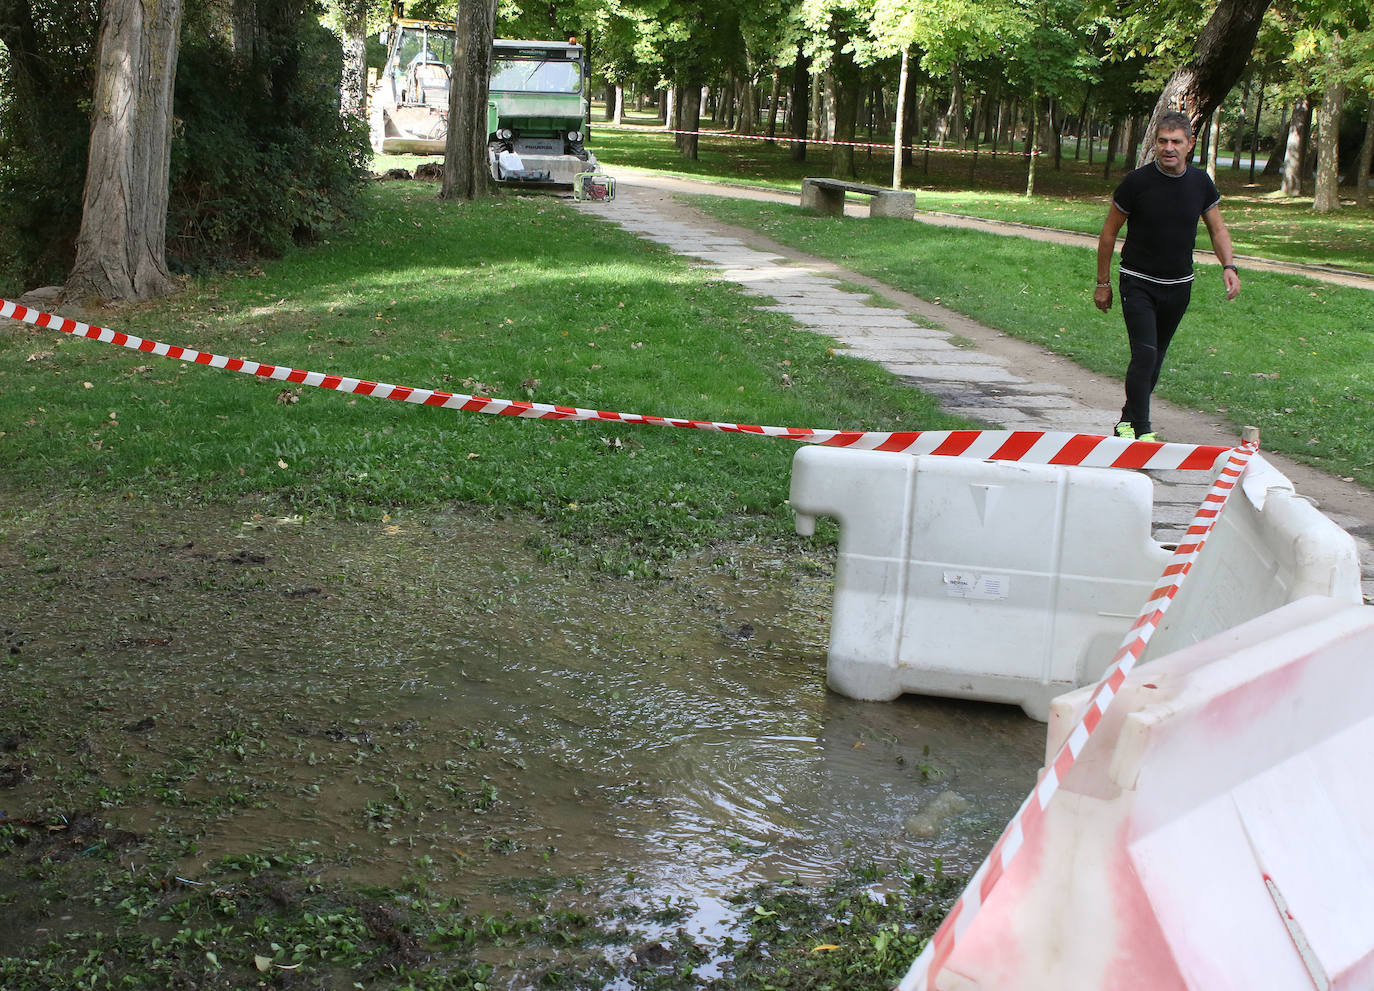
(1073, 197)
(514, 297)
(1291, 355)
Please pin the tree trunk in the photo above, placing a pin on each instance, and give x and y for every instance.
(242, 27)
(825, 113)
(1223, 49)
(1274, 164)
(911, 121)
(121, 251)
(353, 80)
(1296, 152)
(954, 116)
(899, 128)
(1366, 158)
(1327, 198)
(1056, 123)
(691, 121)
(1238, 146)
(467, 173)
(773, 104)
(800, 103)
(1134, 126)
(670, 109)
(1032, 142)
(619, 114)
(845, 116)
(1254, 134)
(748, 120)
(1083, 122)
(1112, 137)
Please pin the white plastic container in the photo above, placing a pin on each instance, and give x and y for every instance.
(976, 579)
(1015, 582)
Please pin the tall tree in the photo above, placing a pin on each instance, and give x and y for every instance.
(121, 250)
(899, 126)
(467, 174)
(1219, 57)
(1325, 197)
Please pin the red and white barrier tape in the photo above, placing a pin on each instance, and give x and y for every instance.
(1030, 446)
(788, 139)
(1029, 818)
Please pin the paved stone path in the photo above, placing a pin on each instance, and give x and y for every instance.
(967, 381)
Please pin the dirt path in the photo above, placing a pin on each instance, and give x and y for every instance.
(1348, 503)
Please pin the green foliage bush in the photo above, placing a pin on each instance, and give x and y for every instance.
(262, 158)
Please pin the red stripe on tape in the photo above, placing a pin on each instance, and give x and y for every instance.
(957, 442)
(1016, 446)
(1076, 450)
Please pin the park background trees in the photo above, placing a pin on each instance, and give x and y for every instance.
(267, 146)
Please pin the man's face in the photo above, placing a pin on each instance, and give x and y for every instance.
(1171, 150)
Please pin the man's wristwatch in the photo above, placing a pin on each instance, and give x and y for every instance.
(1232, 268)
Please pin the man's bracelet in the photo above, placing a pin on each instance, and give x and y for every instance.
(1232, 268)
(1104, 285)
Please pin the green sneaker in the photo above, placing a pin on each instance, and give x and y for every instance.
(1125, 431)
(1150, 438)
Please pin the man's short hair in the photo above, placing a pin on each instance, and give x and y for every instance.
(1175, 120)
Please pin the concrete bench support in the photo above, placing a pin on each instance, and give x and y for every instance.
(826, 196)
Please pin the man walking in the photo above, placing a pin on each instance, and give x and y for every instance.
(1160, 203)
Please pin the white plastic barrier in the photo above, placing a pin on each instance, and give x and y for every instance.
(976, 579)
(1269, 547)
(1216, 833)
(1016, 582)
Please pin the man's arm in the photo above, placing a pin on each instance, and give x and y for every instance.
(1221, 247)
(1106, 244)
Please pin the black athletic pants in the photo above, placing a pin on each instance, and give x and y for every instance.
(1152, 313)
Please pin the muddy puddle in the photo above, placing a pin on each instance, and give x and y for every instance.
(426, 698)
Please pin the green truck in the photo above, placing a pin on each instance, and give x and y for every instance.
(536, 108)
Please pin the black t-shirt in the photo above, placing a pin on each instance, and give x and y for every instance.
(1162, 212)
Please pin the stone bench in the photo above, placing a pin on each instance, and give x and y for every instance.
(826, 196)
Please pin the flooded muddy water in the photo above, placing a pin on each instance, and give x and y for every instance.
(426, 697)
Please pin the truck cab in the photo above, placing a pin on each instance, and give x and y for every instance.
(537, 112)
